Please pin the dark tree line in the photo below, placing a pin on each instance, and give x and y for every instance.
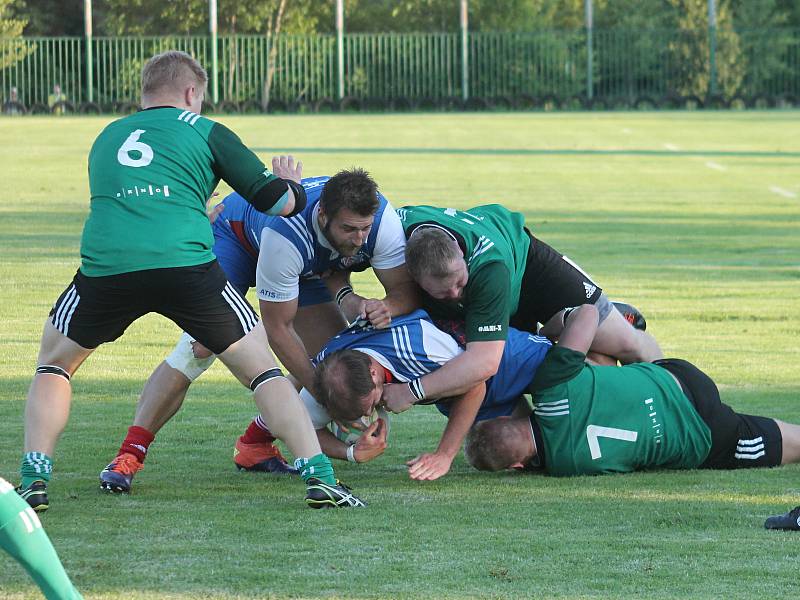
(157, 17)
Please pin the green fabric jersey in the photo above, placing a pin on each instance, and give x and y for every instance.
(495, 246)
(150, 175)
(614, 419)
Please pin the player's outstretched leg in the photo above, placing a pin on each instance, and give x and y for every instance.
(315, 324)
(47, 412)
(22, 536)
(161, 398)
(287, 418)
(618, 338)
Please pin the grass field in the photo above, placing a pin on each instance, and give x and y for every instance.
(693, 217)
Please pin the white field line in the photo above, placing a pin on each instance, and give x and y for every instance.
(671, 147)
(626, 131)
(716, 166)
(782, 192)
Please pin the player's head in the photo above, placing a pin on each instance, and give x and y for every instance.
(435, 261)
(347, 209)
(174, 78)
(349, 384)
(498, 444)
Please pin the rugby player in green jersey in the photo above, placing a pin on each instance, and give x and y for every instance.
(483, 266)
(591, 419)
(146, 247)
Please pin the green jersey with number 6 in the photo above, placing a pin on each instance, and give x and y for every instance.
(495, 246)
(614, 419)
(150, 175)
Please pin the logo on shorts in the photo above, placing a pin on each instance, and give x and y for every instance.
(590, 289)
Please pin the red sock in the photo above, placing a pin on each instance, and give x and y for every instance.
(257, 433)
(136, 442)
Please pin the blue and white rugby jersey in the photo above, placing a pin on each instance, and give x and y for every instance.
(412, 346)
(296, 248)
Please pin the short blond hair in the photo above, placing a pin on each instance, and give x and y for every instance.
(170, 69)
(430, 252)
(494, 444)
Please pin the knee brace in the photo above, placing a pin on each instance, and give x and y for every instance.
(265, 377)
(183, 359)
(52, 370)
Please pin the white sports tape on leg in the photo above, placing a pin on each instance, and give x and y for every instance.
(184, 360)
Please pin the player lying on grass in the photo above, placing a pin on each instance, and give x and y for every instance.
(483, 266)
(146, 247)
(606, 419)
(354, 366)
(346, 225)
(22, 536)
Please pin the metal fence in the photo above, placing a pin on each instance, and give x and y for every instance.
(543, 68)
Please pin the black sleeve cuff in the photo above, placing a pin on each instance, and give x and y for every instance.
(300, 198)
(268, 195)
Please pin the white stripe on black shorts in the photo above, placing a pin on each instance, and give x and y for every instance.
(738, 441)
(199, 299)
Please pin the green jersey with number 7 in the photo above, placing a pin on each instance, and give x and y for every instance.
(596, 420)
(150, 175)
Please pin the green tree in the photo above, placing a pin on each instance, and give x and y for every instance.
(443, 15)
(791, 8)
(691, 50)
(12, 47)
(51, 17)
(765, 41)
(190, 17)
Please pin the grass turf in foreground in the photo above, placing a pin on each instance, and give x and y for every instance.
(711, 257)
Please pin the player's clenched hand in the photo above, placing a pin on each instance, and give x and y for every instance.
(427, 467)
(397, 397)
(285, 168)
(372, 442)
(377, 313)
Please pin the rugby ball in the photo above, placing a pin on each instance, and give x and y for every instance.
(351, 436)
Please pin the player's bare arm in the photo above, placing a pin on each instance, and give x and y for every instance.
(475, 365)
(350, 303)
(278, 319)
(402, 296)
(462, 416)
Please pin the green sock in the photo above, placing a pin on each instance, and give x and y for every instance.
(36, 466)
(316, 467)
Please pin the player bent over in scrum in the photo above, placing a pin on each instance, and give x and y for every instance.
(347, 224)
(146, 247)
(484, 267)
(590, 419)
(354, 366)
